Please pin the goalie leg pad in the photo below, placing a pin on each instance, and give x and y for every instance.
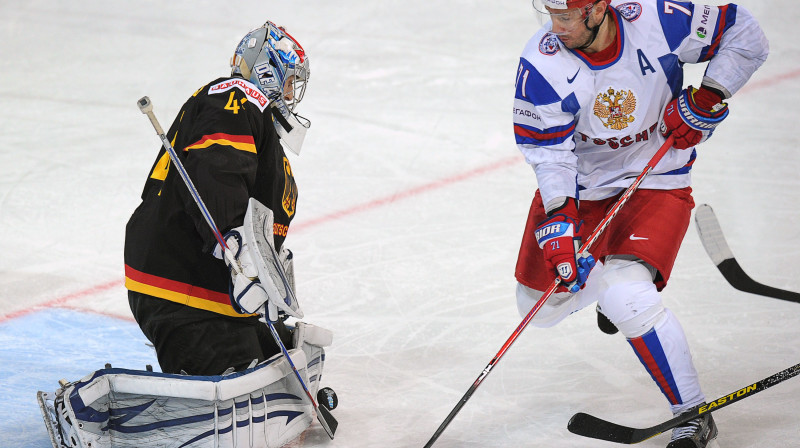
(312, 340)
(262, 407)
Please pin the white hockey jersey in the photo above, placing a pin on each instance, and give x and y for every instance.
(589, 130)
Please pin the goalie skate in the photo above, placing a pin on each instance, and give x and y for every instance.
(47, 406)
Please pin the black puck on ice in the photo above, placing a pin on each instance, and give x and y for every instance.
(327, 397)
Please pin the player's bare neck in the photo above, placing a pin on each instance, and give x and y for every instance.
(605, 36)
(606, 45)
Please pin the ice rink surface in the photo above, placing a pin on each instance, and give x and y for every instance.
(412, 202)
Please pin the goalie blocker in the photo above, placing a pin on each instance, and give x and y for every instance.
(262, 406)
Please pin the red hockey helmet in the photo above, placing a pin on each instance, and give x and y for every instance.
(567, 4)
(569, 13)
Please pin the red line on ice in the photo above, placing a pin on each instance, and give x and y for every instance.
(61, 301)
(770, 82)
(299, 227)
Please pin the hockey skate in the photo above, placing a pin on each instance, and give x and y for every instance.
(56, 418)
(697, 433)
(605, 325)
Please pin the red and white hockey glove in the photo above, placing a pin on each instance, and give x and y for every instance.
(692, 116)
(558, 238)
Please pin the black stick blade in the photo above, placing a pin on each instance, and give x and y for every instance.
(739, 279)
(327, 420)
(590, 426)
(717, 248)
(596, 428)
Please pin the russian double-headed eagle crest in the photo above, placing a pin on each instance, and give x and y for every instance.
(614, 108)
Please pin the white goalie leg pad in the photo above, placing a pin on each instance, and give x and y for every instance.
(263, 407)
(312, 340)
(559, 305)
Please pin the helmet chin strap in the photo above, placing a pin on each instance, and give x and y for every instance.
(595, 30)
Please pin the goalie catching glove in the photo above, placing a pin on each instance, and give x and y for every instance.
(558, 239)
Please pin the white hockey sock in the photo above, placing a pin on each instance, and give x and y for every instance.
(631, 301)
(665, 354)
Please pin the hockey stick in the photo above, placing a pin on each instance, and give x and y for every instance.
(324, 416)
(717, 248)
(583, 252)
(590, 426)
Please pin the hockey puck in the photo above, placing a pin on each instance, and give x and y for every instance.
(327, 397)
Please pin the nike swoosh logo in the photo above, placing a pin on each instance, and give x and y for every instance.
(569, 80)
(637, 238)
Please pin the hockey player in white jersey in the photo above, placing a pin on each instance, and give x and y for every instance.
(599, 89)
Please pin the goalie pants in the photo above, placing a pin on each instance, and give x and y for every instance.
(200, 342)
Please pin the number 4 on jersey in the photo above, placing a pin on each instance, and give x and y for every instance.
(234, 105)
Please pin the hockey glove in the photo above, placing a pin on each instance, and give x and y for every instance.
(692, 117)
(246, 293)
(557, 237)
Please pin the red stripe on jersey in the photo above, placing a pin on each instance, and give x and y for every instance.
(723, 16)
(240, 142)
(176, 286)
(525, 132)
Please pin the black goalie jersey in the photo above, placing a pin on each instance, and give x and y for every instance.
(225, 138)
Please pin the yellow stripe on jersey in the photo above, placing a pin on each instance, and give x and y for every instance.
(240, 142)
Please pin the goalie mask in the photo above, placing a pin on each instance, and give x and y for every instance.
(274, 61)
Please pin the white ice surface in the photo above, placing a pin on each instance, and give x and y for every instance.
(412, 202)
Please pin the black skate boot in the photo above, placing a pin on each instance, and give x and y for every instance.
(695, 433)
(604, 324)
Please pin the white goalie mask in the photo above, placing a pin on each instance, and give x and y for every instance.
(274, 61)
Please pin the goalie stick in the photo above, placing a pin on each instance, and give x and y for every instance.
(324, 416)
(582, 252)
(590, 426)
(717, 248)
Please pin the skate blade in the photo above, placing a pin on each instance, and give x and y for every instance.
(49, 416)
